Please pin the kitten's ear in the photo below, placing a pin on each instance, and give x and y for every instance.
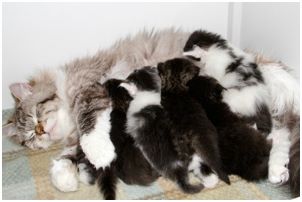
(160, 67)
(111, 85)
(130, 87)
(9, 130)
(196, 53)
(20, 90)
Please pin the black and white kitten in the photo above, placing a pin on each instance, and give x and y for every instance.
(130, 165)
(194, 134)
(149, 125)
(244, 150)
(251, 91)
(235, 70)
(170, 150)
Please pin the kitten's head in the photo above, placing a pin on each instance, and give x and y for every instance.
(202, 44)
(221, 60)
(120, 97)
(204, 40)
(176, 73)
(144, 79)
(35, 115)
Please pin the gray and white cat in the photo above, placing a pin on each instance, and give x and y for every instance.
(69, 104)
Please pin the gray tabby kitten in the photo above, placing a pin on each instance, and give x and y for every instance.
(70, 105)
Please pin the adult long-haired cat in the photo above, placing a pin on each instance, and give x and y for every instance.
(167, 143)
(253, 92)
(64, 96)
(130, 165)
(72, 100)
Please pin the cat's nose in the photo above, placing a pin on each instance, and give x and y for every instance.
(39, 129)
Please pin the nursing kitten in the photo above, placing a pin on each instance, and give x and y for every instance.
(236, 71)
(193, 133)
(130, 165)
(244, 150)
(152, 130)
(247, 95)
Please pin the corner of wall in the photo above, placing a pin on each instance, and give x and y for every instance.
(234, 23)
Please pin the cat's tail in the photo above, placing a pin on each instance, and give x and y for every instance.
(107, 182)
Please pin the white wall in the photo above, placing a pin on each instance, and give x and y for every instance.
(37, 35)
(274, 29)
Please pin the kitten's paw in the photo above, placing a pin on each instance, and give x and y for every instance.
(192, 189)
(84, 176)
(64, 175)
(278, 175)
(210, 181)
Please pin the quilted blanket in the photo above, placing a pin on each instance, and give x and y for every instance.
(25, 175)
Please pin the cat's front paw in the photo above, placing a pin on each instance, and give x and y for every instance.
(64, 175)
(98, 150)
(278, 174)
(97, 145)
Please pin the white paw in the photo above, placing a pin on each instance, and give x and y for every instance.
(97, 144)
(64, 175)
(278, 174)
(84, 176)
(210, 181)
(98, 150)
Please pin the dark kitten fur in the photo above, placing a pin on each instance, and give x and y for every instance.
(244, 150)
(130, 165)
(149, 124)
(193, 132)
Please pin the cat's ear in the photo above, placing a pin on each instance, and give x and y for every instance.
(9, 130)
(130, 87)
(20, 90)
(196, 53)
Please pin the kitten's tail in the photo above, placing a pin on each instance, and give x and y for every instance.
(107, 182)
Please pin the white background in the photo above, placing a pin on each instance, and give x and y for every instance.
(39, 35)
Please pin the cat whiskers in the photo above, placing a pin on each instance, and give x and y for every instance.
(30, 138)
